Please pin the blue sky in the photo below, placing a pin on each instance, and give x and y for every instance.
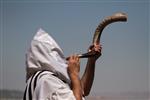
(123, 65)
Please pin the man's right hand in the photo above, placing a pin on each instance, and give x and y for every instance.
(74, 65)
(73, 71)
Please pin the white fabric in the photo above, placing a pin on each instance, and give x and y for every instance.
(50, 87)
(45, 54)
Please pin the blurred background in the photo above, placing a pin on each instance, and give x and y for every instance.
(122, 71)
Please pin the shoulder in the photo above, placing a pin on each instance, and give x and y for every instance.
(51, 87)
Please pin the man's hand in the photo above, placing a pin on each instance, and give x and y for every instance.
(96, 49)
(88, 76)
(73, 71)
(74, 65)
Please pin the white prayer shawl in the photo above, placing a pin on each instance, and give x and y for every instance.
(43, 85)
(45, 54)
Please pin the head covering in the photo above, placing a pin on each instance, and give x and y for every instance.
(45, 54)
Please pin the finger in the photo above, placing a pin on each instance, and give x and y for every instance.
(98, 47)
(71, 57)
(74, 56)
(78, 59)
(91, 47)
(99, 50)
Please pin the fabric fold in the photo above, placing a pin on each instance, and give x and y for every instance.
(45, 54)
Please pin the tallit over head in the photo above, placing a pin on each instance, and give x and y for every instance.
(45, 54)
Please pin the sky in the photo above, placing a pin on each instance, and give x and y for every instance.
(124, 64)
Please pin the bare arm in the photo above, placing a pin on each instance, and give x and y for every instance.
(73, 71)
(88, 76)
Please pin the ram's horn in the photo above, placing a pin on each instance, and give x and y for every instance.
(108, 20)
(118, 17)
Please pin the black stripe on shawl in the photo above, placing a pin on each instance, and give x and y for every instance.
(35, 80)
(24, 97)
(35, 76)
(30, 93)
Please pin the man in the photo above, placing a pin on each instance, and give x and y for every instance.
(51, 77)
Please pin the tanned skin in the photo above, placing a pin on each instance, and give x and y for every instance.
(73, 70)
(83, 85)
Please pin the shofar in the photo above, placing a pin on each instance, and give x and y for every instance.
(108, 20)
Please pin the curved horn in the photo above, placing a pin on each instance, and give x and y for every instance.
(108, 20)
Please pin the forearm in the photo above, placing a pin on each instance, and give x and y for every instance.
(76, 86)
(88, 76)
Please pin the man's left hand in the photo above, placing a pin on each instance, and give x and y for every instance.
(96, 49)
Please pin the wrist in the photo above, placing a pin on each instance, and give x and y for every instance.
(92, 60)
(74, 75)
